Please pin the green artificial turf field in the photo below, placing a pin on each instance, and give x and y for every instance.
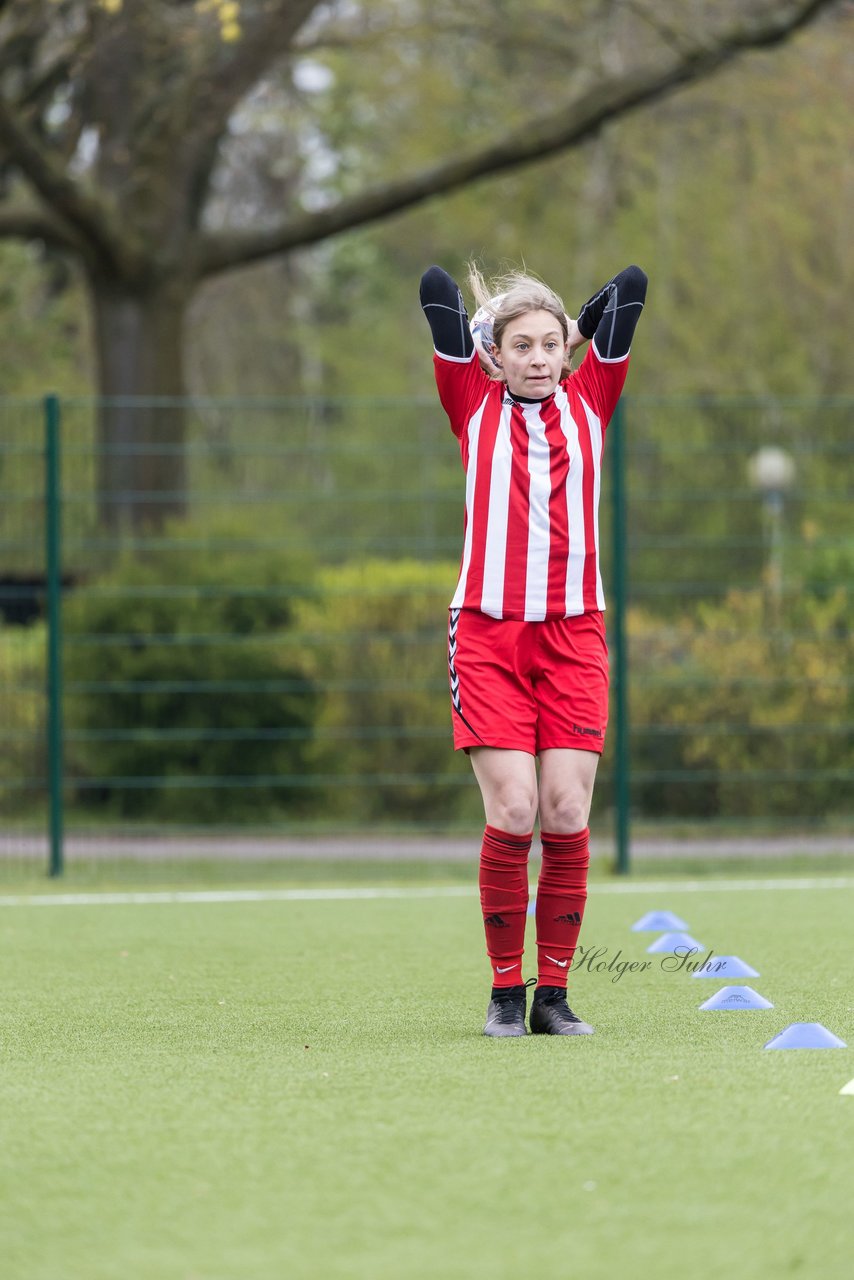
(196, 1090)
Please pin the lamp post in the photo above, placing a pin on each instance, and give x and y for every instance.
(772, 474)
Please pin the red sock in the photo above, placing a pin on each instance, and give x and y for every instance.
(504, 902)
(561, 895)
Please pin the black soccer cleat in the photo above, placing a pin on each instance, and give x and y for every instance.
(506, 1013)
(552, 1016)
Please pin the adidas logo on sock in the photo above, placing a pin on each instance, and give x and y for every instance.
(497, 922)
(571, 917)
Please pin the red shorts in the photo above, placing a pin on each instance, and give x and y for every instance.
(528, 686)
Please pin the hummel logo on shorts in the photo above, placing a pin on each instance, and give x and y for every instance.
(591, 733)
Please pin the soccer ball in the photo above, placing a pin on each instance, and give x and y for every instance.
(481, 332)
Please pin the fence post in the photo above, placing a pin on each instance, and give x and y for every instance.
(618, 640)
(53, 526)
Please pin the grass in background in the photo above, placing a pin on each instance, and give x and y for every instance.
(211, 1092)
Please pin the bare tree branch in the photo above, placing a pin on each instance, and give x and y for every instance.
(229, 76)
(90, 218)
(218, 85)
(153, 117)
(54, 75)
(606, 100)
(26, 222)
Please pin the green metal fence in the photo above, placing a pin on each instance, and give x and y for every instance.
(228, 617)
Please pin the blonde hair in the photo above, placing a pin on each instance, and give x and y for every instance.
(511, 295)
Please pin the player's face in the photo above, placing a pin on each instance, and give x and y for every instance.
(532, 353)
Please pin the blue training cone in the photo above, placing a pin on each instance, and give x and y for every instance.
(656, 921)
(737, 998)
(806, 1035)
(672, 941)
(724, 967)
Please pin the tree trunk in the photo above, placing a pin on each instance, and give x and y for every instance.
(139, 340)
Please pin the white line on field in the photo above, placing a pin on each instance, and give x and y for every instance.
(411, 892)
(231, 895)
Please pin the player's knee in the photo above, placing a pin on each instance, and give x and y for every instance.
(515, 811)
(565, 812)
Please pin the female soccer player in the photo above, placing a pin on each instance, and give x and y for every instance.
(527, 658)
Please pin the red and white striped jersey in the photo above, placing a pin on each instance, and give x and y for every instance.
(531, 548)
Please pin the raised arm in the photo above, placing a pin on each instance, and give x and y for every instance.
(445, 310)
(610, 316)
